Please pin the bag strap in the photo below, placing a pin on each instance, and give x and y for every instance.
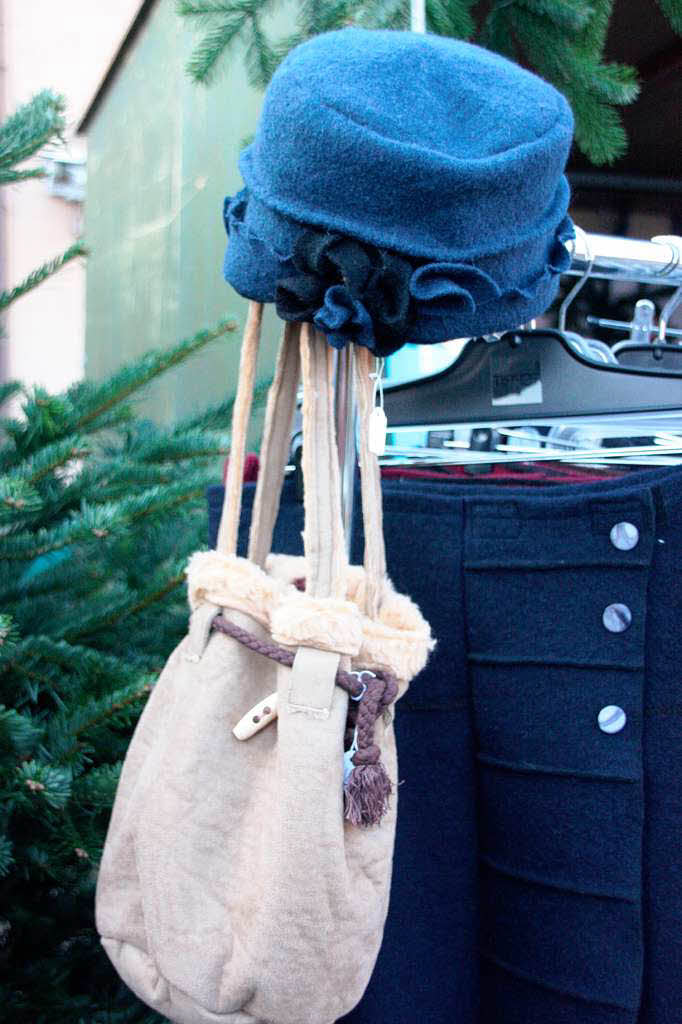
(323, 532)
(370, 475)
(232, 502)
(323, 537)
(276, 443)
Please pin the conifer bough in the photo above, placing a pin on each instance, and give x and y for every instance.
(99, 512)
(563, 40)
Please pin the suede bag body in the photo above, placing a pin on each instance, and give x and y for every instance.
(231, 887)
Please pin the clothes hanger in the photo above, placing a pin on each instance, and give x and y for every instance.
(538, 374)
(536, 379)
(649, 351)
(550, 380)
(589, 347)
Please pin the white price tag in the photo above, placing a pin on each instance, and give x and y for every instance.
(377, 431)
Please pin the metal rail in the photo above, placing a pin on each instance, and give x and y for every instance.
(658, 261)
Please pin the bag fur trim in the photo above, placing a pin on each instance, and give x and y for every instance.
(398, 640)
(231, 582)
(326, 623)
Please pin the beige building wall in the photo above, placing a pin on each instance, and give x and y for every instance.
(67, 47)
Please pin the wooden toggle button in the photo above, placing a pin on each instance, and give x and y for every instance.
(257, 718)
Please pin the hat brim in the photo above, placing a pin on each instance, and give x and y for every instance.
(447, 299)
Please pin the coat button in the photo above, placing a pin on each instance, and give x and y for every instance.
(611, 718)
(617, 617)
(624, 536)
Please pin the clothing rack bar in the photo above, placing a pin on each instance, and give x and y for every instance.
(628, 259)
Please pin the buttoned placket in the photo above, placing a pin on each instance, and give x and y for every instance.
(556, 607)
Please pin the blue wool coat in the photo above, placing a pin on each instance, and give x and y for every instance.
(537, 873)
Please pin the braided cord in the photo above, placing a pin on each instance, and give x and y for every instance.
(374, 694)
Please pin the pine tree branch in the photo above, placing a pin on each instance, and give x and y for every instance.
(111, 480)
(85, 663)
(204, 9)
(37, 277)
(9, 636)
(497, 33)
(91, 524)
(219, 417)
(260, 58)
(99, 399)
(591, 39)
(19, 501)
(88, 406)
(450, 19)
(96, 789)
(12, 176)
(574, 69)
(571, 15)
(48, 459)
(10, 388)
(44, 682)
(38, 783)
(229, 22)
(96, 522)
(30, 127)
(204, 62)
(51, 575)
(95, 624)
(614, 83)
(599, 129)
(44, 421)
(315, 17)
(6, 856)
(672, 9)
(394, 14)
(19, 734)
(190, 444)
(114, 709)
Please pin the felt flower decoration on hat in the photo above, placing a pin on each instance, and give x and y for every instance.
(352, 291)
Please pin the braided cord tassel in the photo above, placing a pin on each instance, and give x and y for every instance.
(367, 788)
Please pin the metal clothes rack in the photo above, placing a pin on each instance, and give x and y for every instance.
(628, 259)
(658, 261)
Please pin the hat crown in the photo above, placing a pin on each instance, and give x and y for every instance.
(363, 132)
(416, 90)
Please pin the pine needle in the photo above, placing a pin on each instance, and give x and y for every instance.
(37, 277)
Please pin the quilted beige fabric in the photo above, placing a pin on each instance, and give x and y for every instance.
(231, 888)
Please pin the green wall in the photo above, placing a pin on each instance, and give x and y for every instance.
(162, 154)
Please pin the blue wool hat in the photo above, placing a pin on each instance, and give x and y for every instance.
(402, 187)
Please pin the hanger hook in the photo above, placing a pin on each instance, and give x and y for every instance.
(667, 311)
(378, 377)
(563, 308)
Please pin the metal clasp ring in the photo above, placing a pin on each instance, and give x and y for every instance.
(358, 675)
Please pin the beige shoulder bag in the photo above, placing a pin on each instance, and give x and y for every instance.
(246, 870)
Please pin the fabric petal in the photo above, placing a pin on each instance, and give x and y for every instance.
(343, 318)
(352, 262)
(435, 281)
(308, 254)
(298, 297)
